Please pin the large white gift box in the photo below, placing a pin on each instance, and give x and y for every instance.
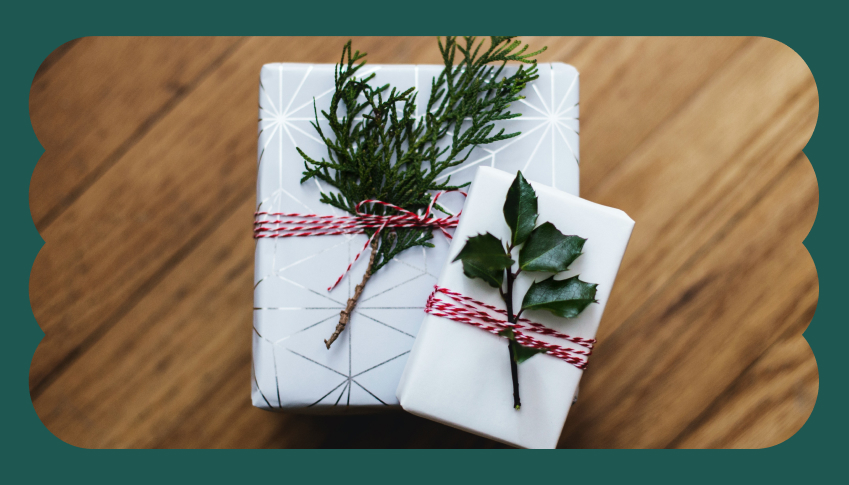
(294, 312)
(460, 375)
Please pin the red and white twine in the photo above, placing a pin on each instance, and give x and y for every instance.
(477, 313)
(287, 224)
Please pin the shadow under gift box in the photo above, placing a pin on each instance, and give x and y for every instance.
(294, 312)
(459, 375)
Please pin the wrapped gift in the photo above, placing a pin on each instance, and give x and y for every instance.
(459, 374)
(293, 310)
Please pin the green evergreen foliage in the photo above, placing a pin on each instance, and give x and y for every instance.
(378, 149)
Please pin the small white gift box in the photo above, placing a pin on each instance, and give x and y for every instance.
(460, 375)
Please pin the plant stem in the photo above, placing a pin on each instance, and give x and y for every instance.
(345, 315)
(514, 369)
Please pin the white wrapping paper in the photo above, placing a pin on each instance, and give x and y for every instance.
(294, 312)
(459, 375)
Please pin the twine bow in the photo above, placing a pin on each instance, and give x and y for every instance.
(287, 224)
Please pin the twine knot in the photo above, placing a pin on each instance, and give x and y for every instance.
(288, 224)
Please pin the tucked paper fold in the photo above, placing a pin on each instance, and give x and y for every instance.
(294, 312)
(459, 375)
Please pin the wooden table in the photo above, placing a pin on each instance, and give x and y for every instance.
(145, 196)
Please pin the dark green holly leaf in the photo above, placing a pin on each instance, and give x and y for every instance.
(507, 333)
(520, 209)
(484, 257)
(565, 298)
(522, 353)
(547, 249)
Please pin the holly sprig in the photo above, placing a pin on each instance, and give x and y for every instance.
(541, 248)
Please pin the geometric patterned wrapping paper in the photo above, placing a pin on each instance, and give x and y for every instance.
(294, 312)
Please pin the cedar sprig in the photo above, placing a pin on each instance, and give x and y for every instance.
(378, 149)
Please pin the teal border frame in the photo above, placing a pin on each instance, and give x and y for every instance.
(817, 31)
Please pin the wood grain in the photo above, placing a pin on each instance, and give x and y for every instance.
(691, 341)
(104, 95)
(144, 282)
(766, 404)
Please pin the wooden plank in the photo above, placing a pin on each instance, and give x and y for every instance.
(147, 325)
(766, 405)
(629, 86)
(101, 96)
(706, 164)
(733, 138)
(156, 364)
(751, 284)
